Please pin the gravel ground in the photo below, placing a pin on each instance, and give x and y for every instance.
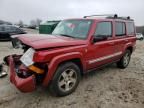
(109, 87)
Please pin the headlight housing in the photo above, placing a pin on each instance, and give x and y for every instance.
(27, 58)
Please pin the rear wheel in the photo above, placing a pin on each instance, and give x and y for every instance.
(124, 61)
(66, 79)
(141, 38)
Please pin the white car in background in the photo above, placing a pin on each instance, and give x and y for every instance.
(139, 36)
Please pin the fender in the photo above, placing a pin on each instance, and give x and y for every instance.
(52, 66)
(130, 44)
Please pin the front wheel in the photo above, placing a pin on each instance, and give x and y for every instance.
(66, 79)
(124, 61)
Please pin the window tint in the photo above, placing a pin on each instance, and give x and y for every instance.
(120, 29)
(18, 30)
(14, 29)
(104, 29)
(7, 29)
(1, 28)
(130, 28)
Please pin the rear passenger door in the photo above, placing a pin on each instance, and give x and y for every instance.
(120, 36)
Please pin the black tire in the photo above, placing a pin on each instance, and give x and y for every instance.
(13, 43)
(60, 90)
(141, 39)
(122, 63)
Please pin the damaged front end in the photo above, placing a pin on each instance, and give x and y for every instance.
(24, 73)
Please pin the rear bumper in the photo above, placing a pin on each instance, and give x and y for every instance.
(23, 84)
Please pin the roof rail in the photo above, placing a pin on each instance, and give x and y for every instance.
(123, 18)
(104, 15)
(111, 16)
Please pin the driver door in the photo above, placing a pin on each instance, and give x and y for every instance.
(102, 51)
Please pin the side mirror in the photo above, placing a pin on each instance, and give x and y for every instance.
(99, 38)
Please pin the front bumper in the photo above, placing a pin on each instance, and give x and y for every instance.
(23, 84)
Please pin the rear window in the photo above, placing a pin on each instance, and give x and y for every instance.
(120, 29)
(130, 28)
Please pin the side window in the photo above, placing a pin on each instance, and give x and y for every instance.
(130, 28)
(1, 29)
(104, 29)
(18, 30)
(7, 29)
(120, 29)
(15, 29)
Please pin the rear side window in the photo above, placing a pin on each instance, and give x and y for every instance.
(104, 29)
(1, 28)
(130, 28)
(120, 29)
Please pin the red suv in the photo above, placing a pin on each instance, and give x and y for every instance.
(75, 47)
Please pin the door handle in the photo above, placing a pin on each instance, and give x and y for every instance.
(126, 40)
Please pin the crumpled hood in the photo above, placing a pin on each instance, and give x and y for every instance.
(40, 41)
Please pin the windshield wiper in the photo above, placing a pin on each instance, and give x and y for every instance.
(67, 35)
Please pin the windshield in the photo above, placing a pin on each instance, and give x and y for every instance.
(73, 28)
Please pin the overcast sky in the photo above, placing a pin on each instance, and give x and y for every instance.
(26, 10)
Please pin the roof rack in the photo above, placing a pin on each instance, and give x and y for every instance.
(106, 15)
(110, 16)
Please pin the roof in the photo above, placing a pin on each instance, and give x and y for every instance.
(105, 17)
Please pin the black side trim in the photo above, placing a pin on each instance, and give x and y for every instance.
(99, 67)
